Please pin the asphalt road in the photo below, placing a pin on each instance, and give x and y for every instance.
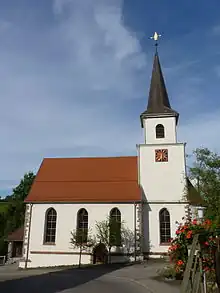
(93, 280)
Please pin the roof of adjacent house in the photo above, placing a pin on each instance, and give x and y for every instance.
(17, 235)
(193, 196)
(109, 179)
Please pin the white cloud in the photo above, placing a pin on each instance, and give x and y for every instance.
(65, 91)
(216, 30)
(201, 131)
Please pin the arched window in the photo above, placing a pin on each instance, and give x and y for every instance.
(164, 216)
(50, 226)
(160, 133)
(82, 226)
(115, 227)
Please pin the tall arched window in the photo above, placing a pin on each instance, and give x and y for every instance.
(164, 216)
(160, 133)
(50, 226)
(82, 226)
(115, 227)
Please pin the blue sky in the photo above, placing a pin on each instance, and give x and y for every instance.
(74, 77)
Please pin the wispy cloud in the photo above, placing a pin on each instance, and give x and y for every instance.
(75, 86)
(216, 30)
(66, 94)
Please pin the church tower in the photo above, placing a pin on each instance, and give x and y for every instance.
(162, 168)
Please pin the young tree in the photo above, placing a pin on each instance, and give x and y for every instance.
(109, 233)
(83, 240)
(206, 172)
(128, 239)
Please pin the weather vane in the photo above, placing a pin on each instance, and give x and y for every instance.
(156, 37)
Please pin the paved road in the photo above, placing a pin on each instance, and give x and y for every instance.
(107, 279)
(93, 280)
(109, 285)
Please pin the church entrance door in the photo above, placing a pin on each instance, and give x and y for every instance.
(100, 254)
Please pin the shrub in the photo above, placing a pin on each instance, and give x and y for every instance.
(178, 250)
(167, 272)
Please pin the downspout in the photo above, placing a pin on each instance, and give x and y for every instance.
(135, 233)
(28, 242)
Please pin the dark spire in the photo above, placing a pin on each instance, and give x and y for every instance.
(158, 101)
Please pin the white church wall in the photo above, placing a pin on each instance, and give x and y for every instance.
(162, 181)
(151, 224)
(60, 253)
(51, 260)
(169, 124)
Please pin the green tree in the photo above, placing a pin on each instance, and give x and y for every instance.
(16, 206)
(206, 172)
(14, 213)
(109, 232)
(83, 240)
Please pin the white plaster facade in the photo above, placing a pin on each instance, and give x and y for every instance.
(163, 184)
(169, 124)
(37, 254)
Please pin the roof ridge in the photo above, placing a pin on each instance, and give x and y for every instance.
(70, 158)
(88, 181)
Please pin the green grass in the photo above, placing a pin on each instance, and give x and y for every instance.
(3, 206)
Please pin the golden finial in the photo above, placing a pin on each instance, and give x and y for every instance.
(156, 37)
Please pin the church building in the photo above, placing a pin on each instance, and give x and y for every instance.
(149, 192)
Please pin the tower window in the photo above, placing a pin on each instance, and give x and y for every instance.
(160, 131)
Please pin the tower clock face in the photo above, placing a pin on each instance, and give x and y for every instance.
(161, 155)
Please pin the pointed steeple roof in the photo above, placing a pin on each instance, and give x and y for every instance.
(158, 101)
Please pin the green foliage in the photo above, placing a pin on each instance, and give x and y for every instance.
(178, 250)
(109, 232)
(82, 239)
(206, 171)
(12, 212)
(3, 206)
(167, 272)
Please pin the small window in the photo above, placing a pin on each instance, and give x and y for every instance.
(82, 225)
(115, 227)
(160, 131)
(164, 217)
(50, 226)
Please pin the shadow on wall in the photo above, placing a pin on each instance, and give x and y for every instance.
(57, 281)
(145, 225)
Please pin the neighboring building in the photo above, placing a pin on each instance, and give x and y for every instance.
(149, 192)
(15, 244)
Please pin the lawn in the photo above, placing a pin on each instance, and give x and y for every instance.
(3, 206)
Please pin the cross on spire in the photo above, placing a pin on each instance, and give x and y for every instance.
(156, 37)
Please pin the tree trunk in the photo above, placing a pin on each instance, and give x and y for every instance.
(109, 255)
(80, 255)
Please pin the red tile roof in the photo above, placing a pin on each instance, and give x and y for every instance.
(17, 235)
(111, 179)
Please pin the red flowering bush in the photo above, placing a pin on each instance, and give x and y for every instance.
(178, 250)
